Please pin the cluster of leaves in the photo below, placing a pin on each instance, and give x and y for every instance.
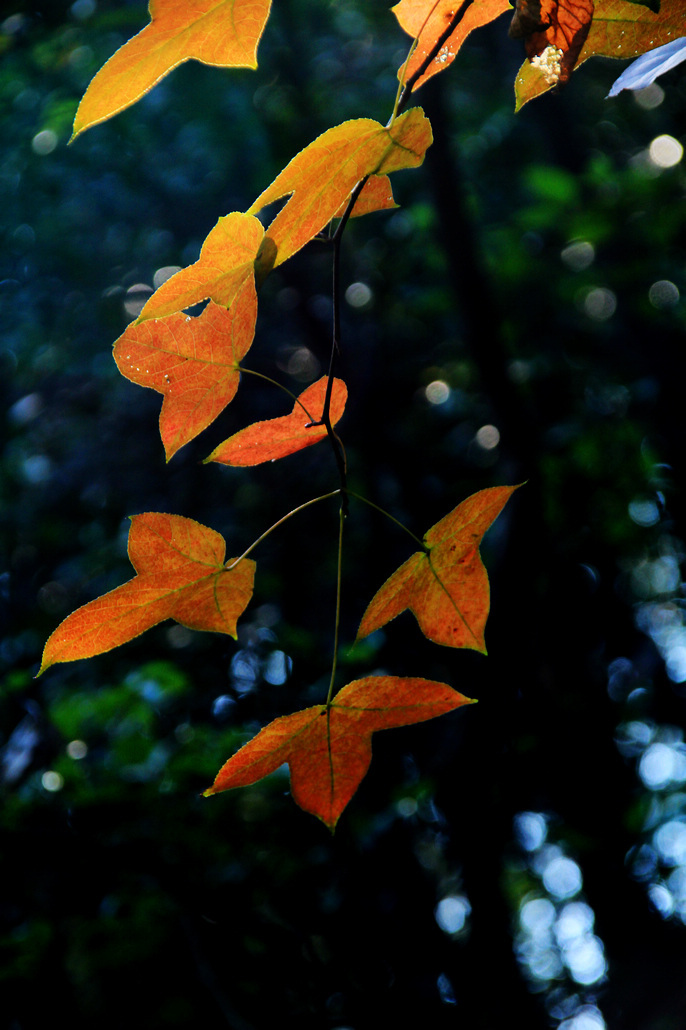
(196, 360)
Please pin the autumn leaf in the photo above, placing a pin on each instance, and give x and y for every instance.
(376, 195)
(619, 29)
(180, 575)
(554, 31)
(329, 749)
(192, 362)
(446, 586)
(427, 20)
(226, 261)
(217, 32)
(323, 175)
(277, 437)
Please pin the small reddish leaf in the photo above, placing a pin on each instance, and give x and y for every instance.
(217, 32)
(278, 437)
(226, 260)
(427, 20)
(554, 31)
(376, 195)
(446, 587)
(192, 362)
(619, 29)
(323, 175)
(329, 749)
(180, 575)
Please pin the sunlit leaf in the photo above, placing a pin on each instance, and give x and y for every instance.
(619, 29)
(192, 362)
(446, 586)
(277, 437)
(217, 32)
(226, 261)
(180, 575)
(323, 175)
(376, 195)
(554, 32)
(329, 750)
(427, 21)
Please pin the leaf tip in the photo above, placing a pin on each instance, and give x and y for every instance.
(331, 822)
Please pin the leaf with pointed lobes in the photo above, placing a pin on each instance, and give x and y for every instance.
(180, 575)
(329, 749)
(554, 31)
(446, 586)
(427, 21)
(217, 32)
(192, 362)
(323, 175)
(226, 261)
(279, 437)
(620, 28)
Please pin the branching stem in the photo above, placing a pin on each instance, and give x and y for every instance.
(401, 100)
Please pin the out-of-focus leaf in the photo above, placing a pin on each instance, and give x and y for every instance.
(644, 70)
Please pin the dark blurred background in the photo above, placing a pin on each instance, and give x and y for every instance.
(519, 317)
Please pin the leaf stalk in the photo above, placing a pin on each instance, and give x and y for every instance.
(285, 518)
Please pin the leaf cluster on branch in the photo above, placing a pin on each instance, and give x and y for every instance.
(196, 361)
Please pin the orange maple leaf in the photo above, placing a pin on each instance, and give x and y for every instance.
(323, 175)
(217, 32)
(329, 748)
(554, 31)
(226, 260)
(192, 362)
(278, 437)
(446, 586)
(180, 575)
(427, 20)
